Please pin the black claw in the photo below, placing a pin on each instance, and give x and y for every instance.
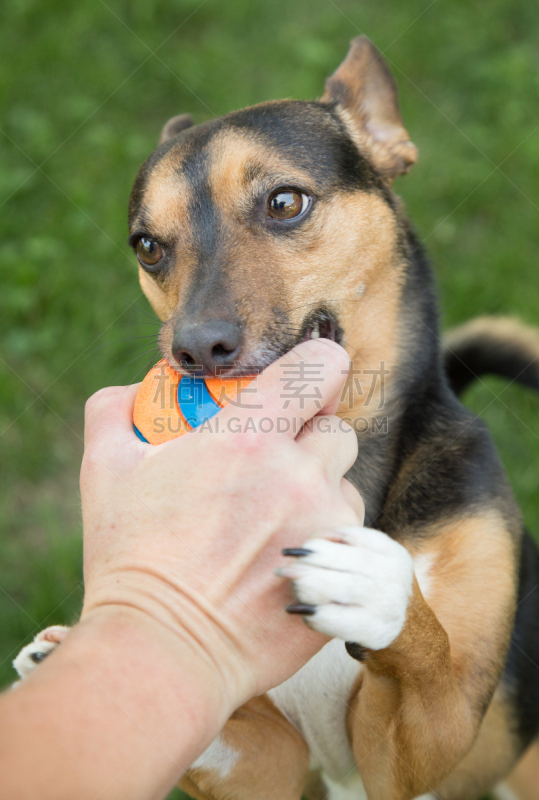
(296, 551)
(356, 650)
(38, 657)
(301, 608)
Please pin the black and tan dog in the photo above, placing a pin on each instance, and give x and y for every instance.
(278, 223)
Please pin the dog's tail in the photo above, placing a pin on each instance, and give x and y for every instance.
(492, 346)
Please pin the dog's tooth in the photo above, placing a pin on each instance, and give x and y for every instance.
(315, 333)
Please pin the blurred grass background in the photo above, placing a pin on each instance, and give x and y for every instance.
(85, 88)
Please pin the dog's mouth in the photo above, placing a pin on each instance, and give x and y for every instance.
(321, 325)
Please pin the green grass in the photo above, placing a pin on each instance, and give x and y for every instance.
(85, 89)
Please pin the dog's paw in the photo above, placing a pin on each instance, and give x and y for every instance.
(33, 654)
(355, 587)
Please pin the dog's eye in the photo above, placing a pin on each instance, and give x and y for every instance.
(287, 204)
(148, 251)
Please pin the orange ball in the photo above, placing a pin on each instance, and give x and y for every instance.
(169, 404)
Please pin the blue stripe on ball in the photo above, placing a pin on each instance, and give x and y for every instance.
(139, 434)
(194, 400)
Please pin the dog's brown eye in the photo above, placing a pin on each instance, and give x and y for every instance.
(148, 251)
(287, 204)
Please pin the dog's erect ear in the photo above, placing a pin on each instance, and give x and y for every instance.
(364, 87)
(175, 125)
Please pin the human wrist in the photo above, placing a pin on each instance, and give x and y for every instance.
(193, 620)
(186, 635)
(152, 652)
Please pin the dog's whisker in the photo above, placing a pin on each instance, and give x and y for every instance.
(119, 356)
(316, 303)
(117, 341)
(134, 324)
(144, 370)
(139, 355)
(155, 351)
(147, 314)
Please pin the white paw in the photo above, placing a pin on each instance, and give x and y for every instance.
(356, 588)
(34, 653)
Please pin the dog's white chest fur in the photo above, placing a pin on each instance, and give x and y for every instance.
(315, 701)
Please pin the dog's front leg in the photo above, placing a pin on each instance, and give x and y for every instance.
(258, 754)
(429, 669)
(411, 722)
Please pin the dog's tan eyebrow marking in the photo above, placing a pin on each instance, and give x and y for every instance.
(253, 172)
(165, 203)
(267, 181)
(256, 173)
(241, 158)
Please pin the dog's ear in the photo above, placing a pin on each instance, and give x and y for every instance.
(364, 87)
(174, 126)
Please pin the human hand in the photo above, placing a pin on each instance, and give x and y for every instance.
(187, 534)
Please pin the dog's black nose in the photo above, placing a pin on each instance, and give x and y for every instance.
(209, 347)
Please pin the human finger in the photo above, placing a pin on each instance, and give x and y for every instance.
(293, 389)
(331, 441)
(108, 431)
(354, 499)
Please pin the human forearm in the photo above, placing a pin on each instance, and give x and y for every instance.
(119, 711)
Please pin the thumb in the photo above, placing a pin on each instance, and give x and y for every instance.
(354, 499)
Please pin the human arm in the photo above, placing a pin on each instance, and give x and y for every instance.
(183, 619)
